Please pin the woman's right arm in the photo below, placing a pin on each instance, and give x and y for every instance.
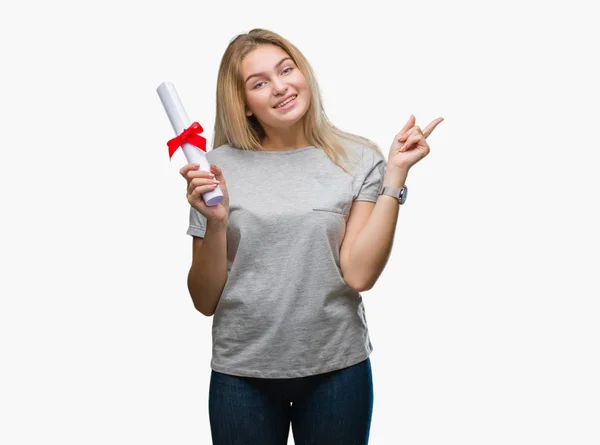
(208, 273)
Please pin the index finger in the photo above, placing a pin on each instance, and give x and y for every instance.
(432, 126)
(186, 168)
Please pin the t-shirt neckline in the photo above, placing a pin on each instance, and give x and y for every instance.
(281, 152)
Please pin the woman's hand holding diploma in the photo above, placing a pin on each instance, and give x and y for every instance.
(193, 146)
(200, 182)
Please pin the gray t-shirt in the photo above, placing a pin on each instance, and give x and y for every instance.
(285, 310)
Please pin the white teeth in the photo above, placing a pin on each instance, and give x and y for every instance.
(289, 100)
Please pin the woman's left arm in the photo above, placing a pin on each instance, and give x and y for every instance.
(370, 250)
(369, 244)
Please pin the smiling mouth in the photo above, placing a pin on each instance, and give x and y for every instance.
(287, 101)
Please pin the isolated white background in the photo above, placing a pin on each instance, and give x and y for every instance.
(485, 320)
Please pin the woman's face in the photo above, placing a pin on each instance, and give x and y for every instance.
(278, 78)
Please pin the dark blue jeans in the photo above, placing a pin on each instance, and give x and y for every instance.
(334, 408)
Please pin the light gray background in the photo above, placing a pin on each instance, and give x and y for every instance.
(485, 320)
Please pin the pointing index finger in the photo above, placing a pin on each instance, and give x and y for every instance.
(432, 126)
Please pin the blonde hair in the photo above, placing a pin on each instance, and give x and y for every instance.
(234, 128)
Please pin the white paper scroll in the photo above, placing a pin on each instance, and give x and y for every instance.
(180, 121)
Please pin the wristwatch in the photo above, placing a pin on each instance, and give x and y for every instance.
(400, 194)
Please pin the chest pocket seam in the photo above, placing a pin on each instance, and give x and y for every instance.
(330, 209)
(340, 205)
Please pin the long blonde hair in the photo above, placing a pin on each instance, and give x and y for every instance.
(234, 128)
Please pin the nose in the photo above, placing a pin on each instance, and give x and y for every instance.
(279, 87)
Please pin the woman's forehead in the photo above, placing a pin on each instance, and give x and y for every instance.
(263, 58)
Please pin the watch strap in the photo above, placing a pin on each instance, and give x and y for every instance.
(398, 193)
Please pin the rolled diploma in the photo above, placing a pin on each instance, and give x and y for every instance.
(180, 121)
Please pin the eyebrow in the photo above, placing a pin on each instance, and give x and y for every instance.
(260, 74)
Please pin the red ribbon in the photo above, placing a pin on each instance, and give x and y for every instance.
(191, 136)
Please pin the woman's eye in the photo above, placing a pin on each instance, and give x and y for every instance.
(288, 68)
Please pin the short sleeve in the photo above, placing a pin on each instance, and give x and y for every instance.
(197, 225)
(373, 173)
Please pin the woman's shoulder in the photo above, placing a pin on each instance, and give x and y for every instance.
(218, 153)
(361, 151)
(358, 145)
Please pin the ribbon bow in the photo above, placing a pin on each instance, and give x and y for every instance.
(191, 136)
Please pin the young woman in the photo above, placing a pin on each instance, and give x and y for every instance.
(281, 261)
